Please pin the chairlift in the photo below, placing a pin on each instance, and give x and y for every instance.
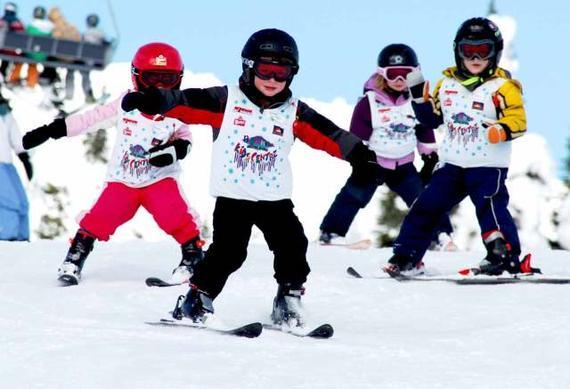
(61, 53)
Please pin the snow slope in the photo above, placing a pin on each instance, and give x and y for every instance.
(388, 334)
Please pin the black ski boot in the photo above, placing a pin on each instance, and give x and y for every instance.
(194, 306)
(191, 254)
(499, 258)
(69, 272)
(403, 265)
(331, 238)
(287, 305)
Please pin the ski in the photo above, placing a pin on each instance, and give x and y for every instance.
(356, 274)
(404, 278)
(364, 244)
(251, 330)
(159, 282)
(512, 280)
(324, 331)
(471, 280)
(352, 272)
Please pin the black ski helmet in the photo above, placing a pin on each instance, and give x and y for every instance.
(397, 54)
(39, 12)
(271, 43)
(92, 20)
(477, 29)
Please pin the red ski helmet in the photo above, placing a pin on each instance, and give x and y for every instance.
(157, 64)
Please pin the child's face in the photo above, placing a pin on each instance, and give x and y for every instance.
(399, 85)
(475, 65)
(269, 87)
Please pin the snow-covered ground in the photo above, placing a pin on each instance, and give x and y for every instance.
(387, 334)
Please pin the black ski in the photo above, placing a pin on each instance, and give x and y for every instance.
(324, 331)
(155, 281)
(352, 272)
(251, 330)
(473, 280)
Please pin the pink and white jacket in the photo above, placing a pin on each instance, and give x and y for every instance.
(136, 134)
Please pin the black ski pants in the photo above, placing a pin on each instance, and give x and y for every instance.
(233, 221)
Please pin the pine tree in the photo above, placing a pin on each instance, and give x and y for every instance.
(390, 219)
(51, 223)
(96, 146)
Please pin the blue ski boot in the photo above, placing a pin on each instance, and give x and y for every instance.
(194, 306)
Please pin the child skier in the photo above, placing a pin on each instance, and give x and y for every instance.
(143, 170)
(481, 109)
(384, 119)
(255, 125)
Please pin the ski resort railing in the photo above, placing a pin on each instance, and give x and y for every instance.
(77, 55)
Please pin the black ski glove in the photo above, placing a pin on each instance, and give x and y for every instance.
(365, 169)
(430, 160)
(25, 158)
(166, 154)
(55, 130)
(148, 101)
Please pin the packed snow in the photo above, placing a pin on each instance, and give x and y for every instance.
(387, 334)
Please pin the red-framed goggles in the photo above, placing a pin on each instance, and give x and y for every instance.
(267, 70)
(392, 73)
(164, 79)
(482, 49)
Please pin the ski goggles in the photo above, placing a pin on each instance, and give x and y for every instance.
(159, 78)
(267, 70)
(482, 49)
(392, 73)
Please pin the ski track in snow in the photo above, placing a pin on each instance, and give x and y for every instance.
(387, 334)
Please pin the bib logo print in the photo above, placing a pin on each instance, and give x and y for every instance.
(254, 153)
(135, 161)
(239, 121)
(478, 105)
(462, 128)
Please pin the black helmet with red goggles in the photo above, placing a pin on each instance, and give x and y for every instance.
(478, 38)
(270, 53)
